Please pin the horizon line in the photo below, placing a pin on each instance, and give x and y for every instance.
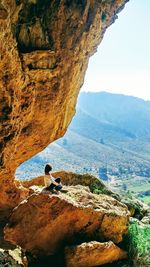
(114, 93)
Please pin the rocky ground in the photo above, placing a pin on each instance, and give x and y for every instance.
(86, 225)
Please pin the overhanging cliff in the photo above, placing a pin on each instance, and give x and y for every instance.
(44, 47)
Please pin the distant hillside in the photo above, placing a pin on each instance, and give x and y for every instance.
(126, 112)
(108, 137)
(85, 124)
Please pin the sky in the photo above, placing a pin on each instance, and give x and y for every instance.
(122, 62)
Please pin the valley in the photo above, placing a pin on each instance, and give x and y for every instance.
(102, 142)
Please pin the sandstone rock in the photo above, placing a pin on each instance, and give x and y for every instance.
(137, 208)
(44, 51)
(37, 181)
(70, 178)
(46, 222)
(93, 254)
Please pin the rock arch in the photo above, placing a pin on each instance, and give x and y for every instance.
(44, 47)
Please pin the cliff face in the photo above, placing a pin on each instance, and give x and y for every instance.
(45, 47)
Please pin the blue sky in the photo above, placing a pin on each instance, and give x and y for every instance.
(122, 63)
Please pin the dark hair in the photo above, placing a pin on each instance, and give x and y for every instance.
(48, 168)
(57, 180)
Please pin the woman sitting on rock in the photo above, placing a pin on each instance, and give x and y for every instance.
(52, 184)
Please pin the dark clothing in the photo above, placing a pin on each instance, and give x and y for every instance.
(54, 187)
(57, 180)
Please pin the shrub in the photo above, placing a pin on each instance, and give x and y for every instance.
(104, 16)
(139, 244)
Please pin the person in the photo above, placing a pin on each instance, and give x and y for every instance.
(52, 184)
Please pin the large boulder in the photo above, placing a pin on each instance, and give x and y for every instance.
(137, 208)
(70, 178)
(93, 254)
(45, 222)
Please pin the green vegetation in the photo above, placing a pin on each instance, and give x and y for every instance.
(104, 16)
(97, 189)
(139, 188)
(139, 244)
(146, 199)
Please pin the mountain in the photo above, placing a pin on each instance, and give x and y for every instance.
(126, 112)
(86, 125)
(108, 137)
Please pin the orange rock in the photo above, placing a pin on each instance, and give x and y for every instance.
(67, 178)
(37, 181)
(46, 222)
(45, 47)
(93, 254)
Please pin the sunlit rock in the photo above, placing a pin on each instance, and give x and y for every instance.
(46, 222)
(44, 52)
(93, 254)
